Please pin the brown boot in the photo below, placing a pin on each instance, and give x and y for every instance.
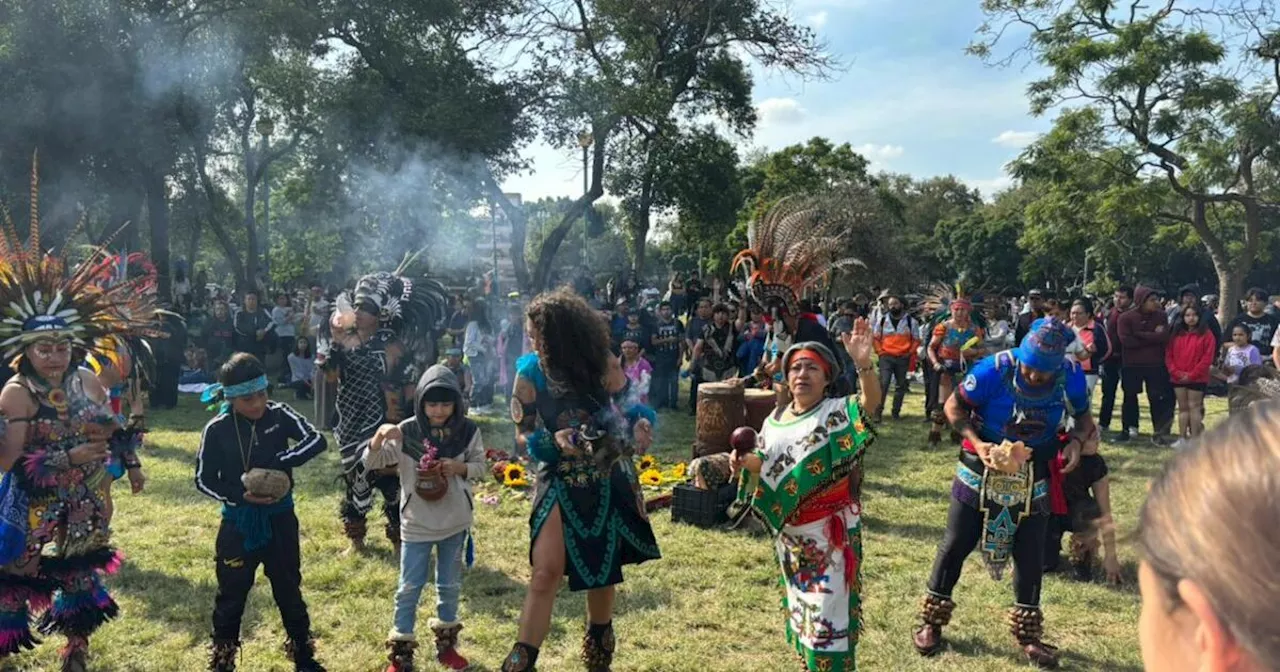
(935, 613)
(597, 647)
(401, 654)
(1026, 624)
(355, 531)
(222, 655)
(523, 658)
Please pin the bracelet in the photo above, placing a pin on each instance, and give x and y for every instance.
(870, 368)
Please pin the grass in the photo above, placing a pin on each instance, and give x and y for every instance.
(711, 603)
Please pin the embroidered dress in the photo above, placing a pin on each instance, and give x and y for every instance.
(602, 508)
(66, 550)
(808, 494)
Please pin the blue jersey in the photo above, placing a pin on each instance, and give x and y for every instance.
(1005, 407)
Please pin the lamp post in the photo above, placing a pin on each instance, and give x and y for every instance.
(265, 128)
(584, 141)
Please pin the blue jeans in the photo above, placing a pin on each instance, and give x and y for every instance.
(415, 560)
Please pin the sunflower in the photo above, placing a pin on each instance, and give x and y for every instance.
(647, 462)
(651, 477)
(514, 476)
(679, 471)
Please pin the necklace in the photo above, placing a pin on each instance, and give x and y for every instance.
(797, 413)
(253, 439)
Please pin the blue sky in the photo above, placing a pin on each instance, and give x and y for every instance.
(909, 99)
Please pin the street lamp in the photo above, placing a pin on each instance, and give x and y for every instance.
(266, 126)
(584, 141)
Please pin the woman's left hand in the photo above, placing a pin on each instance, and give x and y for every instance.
(643, 434)
(858, 343)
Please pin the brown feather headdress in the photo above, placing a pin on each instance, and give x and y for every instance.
(795, 246)
(43, 297)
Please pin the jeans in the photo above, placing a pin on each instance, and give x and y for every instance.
(1155, 378)
(1110, 381)
(664, 388)
(415, 561)
(891, 368)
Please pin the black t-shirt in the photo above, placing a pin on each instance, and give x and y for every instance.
(719, 347)
(1261, 330)
(669, 353)
(1078, 483)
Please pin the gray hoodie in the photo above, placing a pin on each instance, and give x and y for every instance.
(421, 520)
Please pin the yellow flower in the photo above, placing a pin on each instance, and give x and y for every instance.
(679, 471)
(647, 462)
(651, 477)
(514, 476)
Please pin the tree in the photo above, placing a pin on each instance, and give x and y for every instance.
(1188, 93)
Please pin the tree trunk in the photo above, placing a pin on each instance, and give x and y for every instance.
(251, 238)
(158, 216)
(1229, 291)
(547, 254)
(215, 209)
(519, 228)
(193, 245)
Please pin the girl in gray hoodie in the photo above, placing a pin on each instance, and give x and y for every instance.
(442, 524)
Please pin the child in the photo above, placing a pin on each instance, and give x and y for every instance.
(444, 523)
(1240, 354)
(461, 370)
(1088, 493)
(638, 369)
(1188, 357)
(255, 433)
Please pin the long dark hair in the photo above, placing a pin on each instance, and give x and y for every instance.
(1180, 324)
(480, 315)
(572, 340)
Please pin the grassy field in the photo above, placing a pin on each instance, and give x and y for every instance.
(710, 604)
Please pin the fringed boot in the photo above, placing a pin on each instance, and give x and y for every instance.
(447, 645)
(222, 655)
(355, 531)
(935, 613)
(303, 654)
(1027, 626)
(523, 658)
(401, 655)
(597, 647)
(75, 653)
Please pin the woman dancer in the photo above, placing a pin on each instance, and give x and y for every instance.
(588, 516)
(956, 343)
(56, 442)
(805, 484)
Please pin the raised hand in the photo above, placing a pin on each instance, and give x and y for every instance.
(858, 343)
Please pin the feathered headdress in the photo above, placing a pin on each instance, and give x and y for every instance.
(43, 297)
(409, 306)
(796, 245)
(941, 297)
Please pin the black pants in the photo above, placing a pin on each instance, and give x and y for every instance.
(1159, 396)
(891, 368)
(931, 378)
(664, 386)
(1110, 381)
(237, 567)
(694, 379)
(389, 486)
(964, 530)
(164, 394)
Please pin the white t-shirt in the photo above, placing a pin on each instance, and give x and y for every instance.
(282, 317)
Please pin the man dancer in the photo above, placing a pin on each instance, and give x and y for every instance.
(1024, 395)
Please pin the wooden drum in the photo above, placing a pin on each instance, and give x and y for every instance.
(720, 411)
(759, 404)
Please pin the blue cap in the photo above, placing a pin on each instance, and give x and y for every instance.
(1045, 346)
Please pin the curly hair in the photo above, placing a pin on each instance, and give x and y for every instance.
(571, 338)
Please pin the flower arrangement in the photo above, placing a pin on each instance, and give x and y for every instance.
(651, 477)
(429, 459)
(651, 474)
(646, 463)
(513, 476)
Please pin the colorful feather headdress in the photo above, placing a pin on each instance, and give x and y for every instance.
(940, 298)
(796, 246)
(43, 297)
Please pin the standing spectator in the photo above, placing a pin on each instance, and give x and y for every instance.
(1241, 354)
(1189, 297)
(1261, 325)
(693, 333)
(478, 345)
(317, 312)
(750, 348)
(302, 368)
(635, 331)
(1144, 333)
(170, 354)
(511, 345)
(717, 349)
(284, 323)
(665, 353)
(1035, 311)
(458, 321)
(219, 335)
(618, 322)
(638, 369)
(1092, 338)
(253, 327)
(676, 293)
(1192, 348)
(895, 339)
(1113, 364)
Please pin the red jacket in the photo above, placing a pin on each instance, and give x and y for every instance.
(1189, 356)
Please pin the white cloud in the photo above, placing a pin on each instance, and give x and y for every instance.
(817, 20)
(779, 111)
(879, 153)
(989, 187)
(1015, 139)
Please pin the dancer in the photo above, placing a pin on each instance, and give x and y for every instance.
(368, 347)
(806, 485)
(55, 445)
(116, 373)
(1022, 395)
(588, 515)
(435, 514)
(249, 438)
(955, 344)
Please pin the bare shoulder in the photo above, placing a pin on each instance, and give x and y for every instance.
(16, 400)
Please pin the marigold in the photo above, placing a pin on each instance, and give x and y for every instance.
(651, 477)
(514, 476)
(647, 462)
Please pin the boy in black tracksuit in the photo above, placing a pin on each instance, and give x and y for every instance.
(255, 433)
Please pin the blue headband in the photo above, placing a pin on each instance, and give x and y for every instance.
(229, 392)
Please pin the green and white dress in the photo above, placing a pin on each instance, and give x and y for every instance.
(808, 494)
